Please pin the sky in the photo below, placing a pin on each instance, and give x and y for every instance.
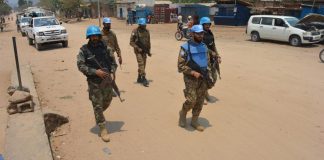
(14, 3)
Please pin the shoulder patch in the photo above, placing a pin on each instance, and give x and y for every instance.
(182, 52)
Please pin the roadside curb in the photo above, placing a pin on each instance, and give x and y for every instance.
(26, 138)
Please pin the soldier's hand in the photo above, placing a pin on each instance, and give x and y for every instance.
(195, 74)
(112, 75)
(120, 60)
(219, 60)
(139, 49)
(102, 74)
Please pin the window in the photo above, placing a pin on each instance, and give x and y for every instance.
(266, 21)
(256, 20)
(279, 22)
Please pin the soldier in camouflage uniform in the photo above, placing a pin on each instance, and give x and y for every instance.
(100, 96)
(195, 82)
(109, 37)
(209, 40)
(140, 40)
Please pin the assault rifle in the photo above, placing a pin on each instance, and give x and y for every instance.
(108, 80)
(142, 46)
(215, 64)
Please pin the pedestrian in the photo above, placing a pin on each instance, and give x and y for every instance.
(140, 41)
(96, 63)
(193, 62)
(209, 40)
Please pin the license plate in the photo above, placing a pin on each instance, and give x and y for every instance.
(317, 37)
(54, 38)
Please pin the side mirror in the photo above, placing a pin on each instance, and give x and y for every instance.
(60, 22)
(285, 25)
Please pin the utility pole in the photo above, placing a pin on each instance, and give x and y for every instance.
(313, 6)
(99, 16)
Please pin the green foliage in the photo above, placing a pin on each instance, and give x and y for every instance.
(4, 8)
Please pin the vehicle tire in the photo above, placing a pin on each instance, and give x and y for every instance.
(30, 41)
(178, 35)
(321, 56)
(255, 37)
(38, 46)
(65, 44)
(295, 41)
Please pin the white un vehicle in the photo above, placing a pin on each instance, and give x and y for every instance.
(46, 30)
(281, 28)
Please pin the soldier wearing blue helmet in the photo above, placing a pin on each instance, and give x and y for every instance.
(193, 62)
(141, 42)
(209, 40)
(110, 38)
(96, 63)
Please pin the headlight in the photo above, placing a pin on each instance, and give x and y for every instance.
(307, 33)
(63, 31)
(40, 34)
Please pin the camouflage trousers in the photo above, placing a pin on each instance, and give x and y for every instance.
(141, 60)
(101, 99)
(195, 92)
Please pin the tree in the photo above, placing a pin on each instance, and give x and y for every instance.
(22, 3)
(4, 8)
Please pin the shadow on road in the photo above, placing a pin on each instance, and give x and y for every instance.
(212, 99)
(49, 47)
(113, 126)
(285, 43)
(203, 121)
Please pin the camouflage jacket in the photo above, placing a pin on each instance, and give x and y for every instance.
(141, 36)
(103, 55)
(109, 37)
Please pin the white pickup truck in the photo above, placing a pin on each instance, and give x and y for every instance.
(46, 30)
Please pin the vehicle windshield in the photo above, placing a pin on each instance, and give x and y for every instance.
(45, 22)
(25, 20)
(292, 21)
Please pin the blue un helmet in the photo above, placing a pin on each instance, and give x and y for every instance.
(142, 21)
(197, 28)
(205, 20)
(93, 30)
(106, 20)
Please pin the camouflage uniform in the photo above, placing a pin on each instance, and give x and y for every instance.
(195, 89)
(143, 36)
(109, 37)
(100, 97)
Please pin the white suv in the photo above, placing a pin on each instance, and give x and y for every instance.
(280, 28)
(46, 30)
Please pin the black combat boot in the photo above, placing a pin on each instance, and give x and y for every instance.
(145, 82)
(139, 79)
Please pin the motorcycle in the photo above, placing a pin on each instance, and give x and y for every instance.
(182, 32)
(321, 56)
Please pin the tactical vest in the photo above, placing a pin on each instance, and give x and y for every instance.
(209, 40)
(198, 53)
(142, 37)
(102, 56)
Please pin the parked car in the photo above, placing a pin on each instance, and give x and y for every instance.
(23, 24)
(46, 30)
(281, 28)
